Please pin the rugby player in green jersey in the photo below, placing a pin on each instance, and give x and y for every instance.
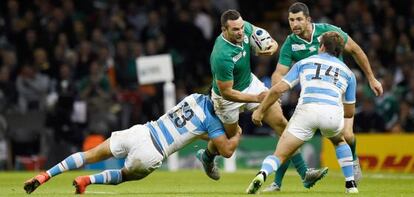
(236, 88)
(304, 42)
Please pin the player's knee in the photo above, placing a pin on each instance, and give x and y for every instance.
(349, 135)
(232, 129)
(90, 156)
(277, 122)
(337, 139)
(283, 122)
(227, 153)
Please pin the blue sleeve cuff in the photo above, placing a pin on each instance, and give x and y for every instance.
(216, 133)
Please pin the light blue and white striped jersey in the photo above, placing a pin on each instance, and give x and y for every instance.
(324, 79)
(182, 124)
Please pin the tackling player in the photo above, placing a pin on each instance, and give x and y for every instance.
(327, 95)
(303, 43)
(144, 147)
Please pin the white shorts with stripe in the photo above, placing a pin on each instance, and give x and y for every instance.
(136, 146)
(310, 117)
(228, 111)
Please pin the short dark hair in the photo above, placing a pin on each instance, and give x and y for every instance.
(299, 7)
(229, 15)
(333, 42)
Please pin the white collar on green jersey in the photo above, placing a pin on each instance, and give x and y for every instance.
(311, 40)
(231, 42)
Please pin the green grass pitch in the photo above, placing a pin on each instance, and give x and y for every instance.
(195, 183)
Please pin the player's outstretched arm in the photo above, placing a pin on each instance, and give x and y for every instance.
(278, 74)
(362, 60)
(226, 146)
(273, 95)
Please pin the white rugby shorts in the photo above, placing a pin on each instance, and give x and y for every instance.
(136, 146)
(310, 117)
(228, 111)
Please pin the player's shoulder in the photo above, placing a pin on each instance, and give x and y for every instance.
(248, 28)
(324, 26)
(321, 28)
(290, 38)
(222, 49)
(202, 105)
(198, 99)
(338, 62)
(195, 97)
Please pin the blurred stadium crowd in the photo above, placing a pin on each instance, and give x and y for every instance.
(69, 65)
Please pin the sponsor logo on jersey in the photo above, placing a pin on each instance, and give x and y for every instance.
(237, 57)
(298, 47)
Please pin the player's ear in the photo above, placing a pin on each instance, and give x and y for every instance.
(309, 19)
(321, 48)
(223, 29)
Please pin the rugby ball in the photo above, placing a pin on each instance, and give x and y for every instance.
(260, 40)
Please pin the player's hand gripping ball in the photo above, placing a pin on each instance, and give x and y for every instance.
(260, 40)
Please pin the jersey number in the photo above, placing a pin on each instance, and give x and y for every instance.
(180, 116)
(318, 70)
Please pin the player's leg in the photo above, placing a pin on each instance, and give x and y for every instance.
(109, 177)
(350, 139)
(344, 156)
(207, 156)
(74, 161)
(275, 119)
(142, 158)
(287, 145)
(228, 113)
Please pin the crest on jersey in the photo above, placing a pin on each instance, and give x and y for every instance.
(246, 39)
(298, 47)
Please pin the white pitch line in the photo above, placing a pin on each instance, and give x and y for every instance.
(112, 193)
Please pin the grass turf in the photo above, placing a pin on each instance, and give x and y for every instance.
(195, 183)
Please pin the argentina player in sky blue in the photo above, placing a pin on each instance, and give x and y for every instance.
(327, 96)
(144, 147)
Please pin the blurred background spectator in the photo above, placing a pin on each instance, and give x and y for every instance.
(68, 57)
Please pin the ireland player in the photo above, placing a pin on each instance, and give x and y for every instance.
(304, 42)
(146, 146)
(236, 89)
(327, 95)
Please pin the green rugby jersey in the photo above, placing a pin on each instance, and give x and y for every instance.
(295, 48)
(232, 62)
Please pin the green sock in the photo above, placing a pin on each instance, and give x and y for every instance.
(352, 145)
(300, 165)
(280, 173)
